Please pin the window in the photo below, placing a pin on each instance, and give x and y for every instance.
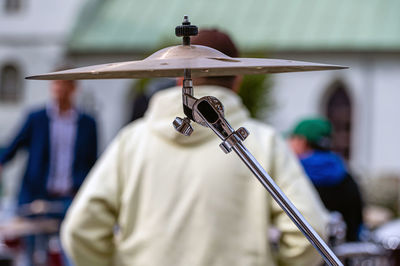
(12, 5)
(338, 110)
(10, 84)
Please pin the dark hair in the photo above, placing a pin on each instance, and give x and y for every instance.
(216, 39)
(318, 147)
(222, 42)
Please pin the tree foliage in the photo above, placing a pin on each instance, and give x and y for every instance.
(256, 94)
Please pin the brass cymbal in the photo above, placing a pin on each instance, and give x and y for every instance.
(171, 61)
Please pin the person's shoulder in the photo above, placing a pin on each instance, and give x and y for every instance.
(328, 155)
(263, 137)
(261, 128)
(86, 117)
(37, 112)
(132, 134)
(132, 128)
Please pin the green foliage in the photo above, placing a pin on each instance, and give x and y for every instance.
(255, 91)
(256, 94)
(140, 86)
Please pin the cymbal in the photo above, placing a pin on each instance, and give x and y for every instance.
(171, 61)
(20, 227)
(41, 207)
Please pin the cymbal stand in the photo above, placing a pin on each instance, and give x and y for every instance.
(208, 111)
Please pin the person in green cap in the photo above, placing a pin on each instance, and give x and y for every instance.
(311, 141)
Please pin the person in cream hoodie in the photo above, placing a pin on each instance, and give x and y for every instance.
(158, 198)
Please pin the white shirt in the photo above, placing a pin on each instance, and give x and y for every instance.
(63, 130)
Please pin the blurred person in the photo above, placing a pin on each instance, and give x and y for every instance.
(157, 197)
(311, 141)
(62, 146)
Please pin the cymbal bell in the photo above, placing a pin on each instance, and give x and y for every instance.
(172, 61)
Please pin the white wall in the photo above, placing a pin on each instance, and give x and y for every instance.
(39, 20)
(33, 39)
(33, 92)
(374, 86)
(386, 119)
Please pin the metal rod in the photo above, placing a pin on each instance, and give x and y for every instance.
(328, 255)
(187, 74)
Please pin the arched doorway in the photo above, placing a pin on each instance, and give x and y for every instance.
(338, 109)
(11, 6)
(10, 84)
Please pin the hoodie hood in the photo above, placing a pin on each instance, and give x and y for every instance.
(167, 104)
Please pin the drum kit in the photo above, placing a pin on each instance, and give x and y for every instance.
(37, 222)
(379, 247)
(189, 61)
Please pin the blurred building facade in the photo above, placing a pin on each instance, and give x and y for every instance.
(361, 101)
(33, 38)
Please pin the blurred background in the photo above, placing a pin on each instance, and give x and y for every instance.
(362, 102)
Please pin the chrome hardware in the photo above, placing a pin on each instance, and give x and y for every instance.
(183, 126)
(242, 133)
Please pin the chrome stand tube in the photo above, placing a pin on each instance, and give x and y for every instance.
(285, 204)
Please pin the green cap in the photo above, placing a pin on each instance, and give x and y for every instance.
(317, 131)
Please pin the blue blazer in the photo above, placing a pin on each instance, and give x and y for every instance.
(34, 136)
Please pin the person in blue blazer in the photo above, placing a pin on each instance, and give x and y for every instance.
(62, 146)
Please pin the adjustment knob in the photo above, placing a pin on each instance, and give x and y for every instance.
(242, 133)
(225, 147)
(186, 30)
(183, 126)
